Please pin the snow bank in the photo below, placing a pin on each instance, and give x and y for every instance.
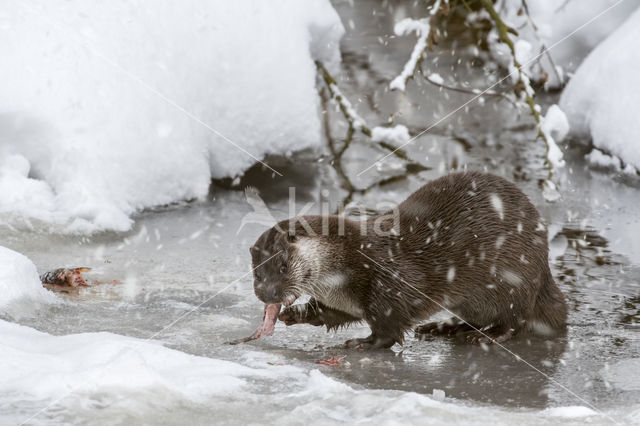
(86, 374)
(42, 366)
(23, 197)
(599, 159)
(19, 280)
(601, 99)
(108, 108)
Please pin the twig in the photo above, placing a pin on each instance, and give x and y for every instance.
(426, 39)
(345, 106)
(336, 154)
(354, 120)
(471, 91)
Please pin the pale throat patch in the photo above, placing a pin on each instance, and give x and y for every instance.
(328, 287)
(335, 279)
(334, 293)
(308, 248)
(309, 256)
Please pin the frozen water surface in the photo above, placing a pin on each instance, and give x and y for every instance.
(190, 259)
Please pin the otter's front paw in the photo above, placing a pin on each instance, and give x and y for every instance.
(301, 314)
(371, 342)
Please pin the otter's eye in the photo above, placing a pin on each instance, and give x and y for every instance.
(283, 269)
(258, 277)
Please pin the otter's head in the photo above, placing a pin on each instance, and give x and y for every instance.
(284, 264)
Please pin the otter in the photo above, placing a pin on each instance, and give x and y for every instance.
(468, 243)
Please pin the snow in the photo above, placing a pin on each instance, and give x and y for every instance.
(436, 78)
(557, 247)
(496, 203)
(106, 128)
(436, 7)
(397, 135)
(42, 366)
(555, 123)
(550, 191)
(338, 96)
(569, 412)
(19, 281)
(421, 27)
(23, 197)
(438, 394)
(601, 99)
(451, 273)
(599, 159)
(555, 128)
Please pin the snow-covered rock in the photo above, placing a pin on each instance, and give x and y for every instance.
(19, 280)
(123, 105)
(601, 100)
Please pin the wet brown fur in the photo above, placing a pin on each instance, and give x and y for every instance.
(501, 282)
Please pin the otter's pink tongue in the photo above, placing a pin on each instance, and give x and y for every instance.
(269, 319)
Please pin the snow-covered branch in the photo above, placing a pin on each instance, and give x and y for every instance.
(422, 28)
(520, 56)
(355, 121)
(388, 138)
(349, 112)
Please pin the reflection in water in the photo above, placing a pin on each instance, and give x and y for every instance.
(487, 374)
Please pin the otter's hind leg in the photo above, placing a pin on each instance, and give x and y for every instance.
(549, 315)
(448, 328)
(370, 342)
(384, 333)
(492, 335)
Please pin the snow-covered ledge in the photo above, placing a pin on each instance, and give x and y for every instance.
(106, 109)
(601, 101)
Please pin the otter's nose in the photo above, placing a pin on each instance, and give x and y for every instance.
(268, 293)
